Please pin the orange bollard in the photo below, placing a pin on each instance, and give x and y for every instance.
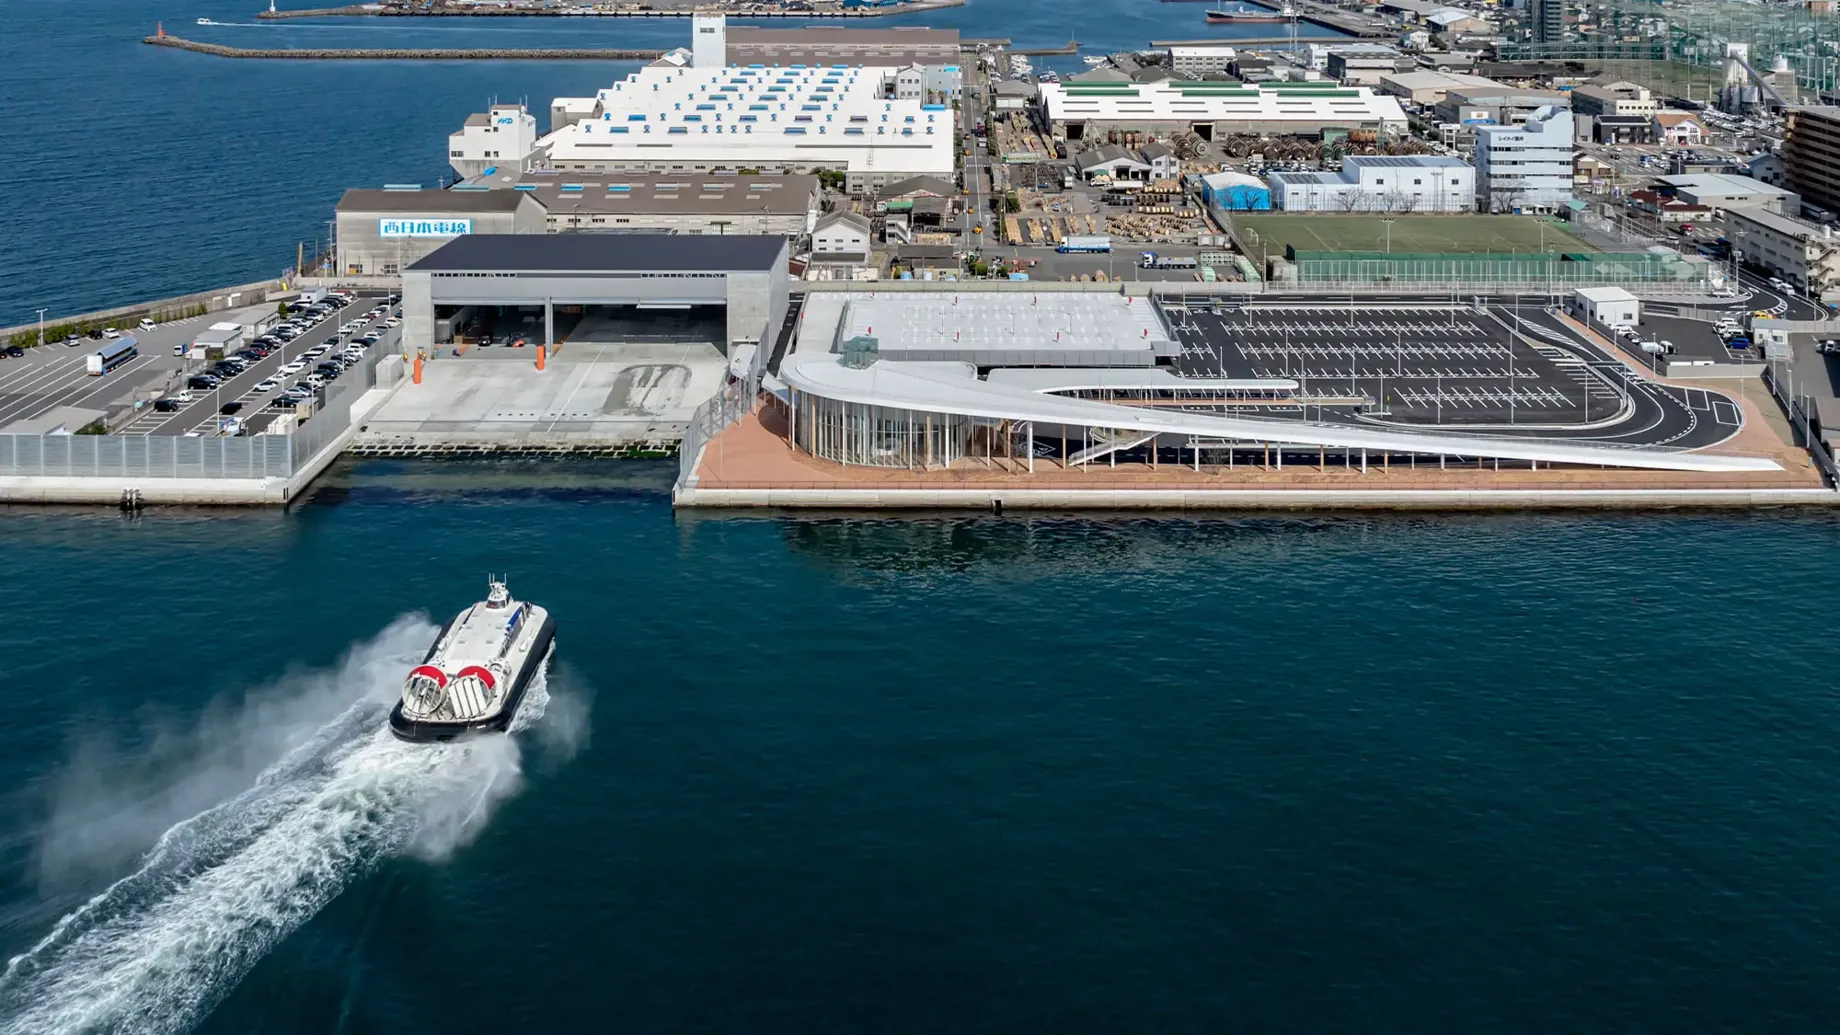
(541, 349)
(418, 368)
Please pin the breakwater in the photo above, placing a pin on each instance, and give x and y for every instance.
(398, 54)
(443, 10)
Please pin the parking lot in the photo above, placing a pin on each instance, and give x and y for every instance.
(1439, 364)
(54, 374)
(250, 394)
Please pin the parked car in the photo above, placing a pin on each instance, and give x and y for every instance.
(15, 351)
(294, 368)
(317, 351)
(229, 408)
(204, 382)
(265, 385)
(166, 406)
(110, 332)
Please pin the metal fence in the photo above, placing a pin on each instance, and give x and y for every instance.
(331, 420)
(145, 456)
(717, 412)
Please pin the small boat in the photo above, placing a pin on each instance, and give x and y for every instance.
(1095, 62)
(474, 677)
(206, 21)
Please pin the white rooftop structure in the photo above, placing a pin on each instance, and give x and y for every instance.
(827, 397)
(788, 119)
(990, 329)
(1283, 107)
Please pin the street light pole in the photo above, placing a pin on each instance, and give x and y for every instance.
(41, 328)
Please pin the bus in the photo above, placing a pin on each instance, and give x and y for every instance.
(112, 355)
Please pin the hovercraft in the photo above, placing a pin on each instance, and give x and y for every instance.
(474, 677)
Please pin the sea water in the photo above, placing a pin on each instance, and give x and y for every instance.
(921, 773)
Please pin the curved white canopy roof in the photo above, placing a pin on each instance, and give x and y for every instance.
(926, 388)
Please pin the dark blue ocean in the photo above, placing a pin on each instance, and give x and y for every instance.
(137, 173)
(1413, 774)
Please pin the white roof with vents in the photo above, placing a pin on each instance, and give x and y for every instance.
(833, 116)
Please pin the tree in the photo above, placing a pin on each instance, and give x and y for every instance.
(831, 179)
(1011, 203)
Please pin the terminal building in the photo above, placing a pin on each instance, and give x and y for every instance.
(1214, 110)
(669, 119)
(500, 136)
(543, 289)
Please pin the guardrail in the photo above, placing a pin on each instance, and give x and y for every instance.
(1800, 411)
(726, 407)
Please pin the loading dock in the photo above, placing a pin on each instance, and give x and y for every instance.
(610, 288)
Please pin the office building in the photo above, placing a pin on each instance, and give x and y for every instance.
(1526, 168)
(1417, 183)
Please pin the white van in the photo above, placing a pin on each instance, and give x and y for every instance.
(146, 324)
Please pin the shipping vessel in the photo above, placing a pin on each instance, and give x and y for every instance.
(1218, 15)
(474, 677)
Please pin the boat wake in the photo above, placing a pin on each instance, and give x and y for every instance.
(155, 950)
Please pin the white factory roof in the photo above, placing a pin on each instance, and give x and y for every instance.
(1306, 104)
(944, 388)
(1431, 79)
(1605, 295)
(1724, 185)
(834, 116)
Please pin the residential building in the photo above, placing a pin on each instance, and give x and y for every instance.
(692, 121)
(1526, 168)
(1805, 255)
(1546, 21)
(1811, 155)
(840, 236)
(1417, 183)
(1679, 128)
(1766, 168)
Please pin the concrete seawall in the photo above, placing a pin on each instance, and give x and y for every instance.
(238, 297)
(668, 12)
(316, 54)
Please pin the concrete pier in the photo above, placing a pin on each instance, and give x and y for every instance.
(445, 11)
(316, 54)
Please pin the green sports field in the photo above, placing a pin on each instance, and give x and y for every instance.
(1465, 234)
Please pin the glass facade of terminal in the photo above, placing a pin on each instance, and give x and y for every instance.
(879, 436)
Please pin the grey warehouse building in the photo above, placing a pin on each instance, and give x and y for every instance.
(382, 232)
(665, 204)
(727, 290)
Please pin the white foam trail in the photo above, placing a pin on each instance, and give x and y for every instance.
(162, 945)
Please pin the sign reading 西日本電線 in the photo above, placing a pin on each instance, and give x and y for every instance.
(423, 227)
